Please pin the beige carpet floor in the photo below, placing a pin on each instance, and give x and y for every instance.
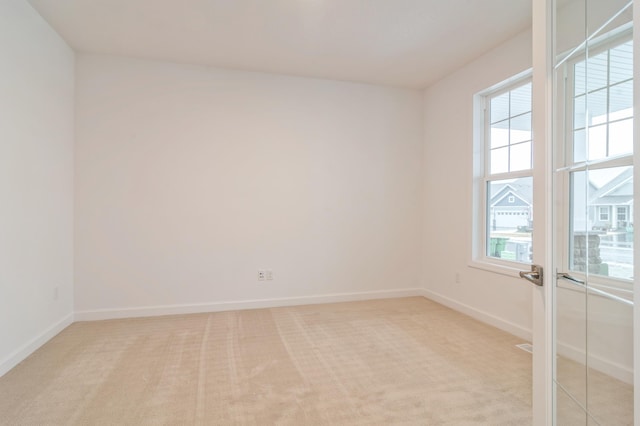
(403, 361)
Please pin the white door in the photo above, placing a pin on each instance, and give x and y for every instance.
(583, 186)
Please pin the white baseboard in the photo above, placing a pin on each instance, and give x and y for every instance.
(610, 368)
(620, 372)
(149, 311)
(485, 317)
(30, 347)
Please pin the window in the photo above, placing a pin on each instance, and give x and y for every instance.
(509, 130)
(504, 175)
(603, 104)
(621, 214)
(599, 160)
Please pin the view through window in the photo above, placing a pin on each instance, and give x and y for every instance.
(602, 193)
(509, 174)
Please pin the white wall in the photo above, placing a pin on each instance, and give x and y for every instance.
(36, 182)
(189, 179)
(448, 165)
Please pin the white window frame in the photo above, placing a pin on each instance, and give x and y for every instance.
(617, 286)
(481, 158)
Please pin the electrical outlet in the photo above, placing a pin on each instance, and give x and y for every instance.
(457, 277)
(55, 293)
(261, 275)
(269, 274)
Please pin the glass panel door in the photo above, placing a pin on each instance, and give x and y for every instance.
(593, 133)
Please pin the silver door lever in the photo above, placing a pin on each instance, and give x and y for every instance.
(535, 275)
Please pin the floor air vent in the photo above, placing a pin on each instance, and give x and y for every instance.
(526, 347)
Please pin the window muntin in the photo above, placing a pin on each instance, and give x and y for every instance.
(508, 178)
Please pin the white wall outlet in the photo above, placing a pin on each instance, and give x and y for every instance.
(55, 293)
(261, 275)
(457, 277)
(269, 274)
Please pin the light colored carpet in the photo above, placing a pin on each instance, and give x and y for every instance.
(403, 361)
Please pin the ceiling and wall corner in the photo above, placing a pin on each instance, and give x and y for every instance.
(406, 43)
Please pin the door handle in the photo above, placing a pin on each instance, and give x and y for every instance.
(535, 275)
(565, 276)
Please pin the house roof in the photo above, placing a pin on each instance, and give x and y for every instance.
(521, 188)
(618, 190)
(613, 200)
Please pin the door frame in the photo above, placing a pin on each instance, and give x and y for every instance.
(543, 197)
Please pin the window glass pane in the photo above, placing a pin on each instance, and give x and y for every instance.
(597, 71)
(510, 125)
(621, 101)
(521, 100)
(521, 128)
(581, 221)
(611, 250)
(500, 160)
(608, 105)
(597, 142)
(520, 158)
(500, 107)
(621, 65)
(509, 218)
(500, 134)
(580, 75)
(597, 107)
(579, 112)
(579, 146)
(621, 137)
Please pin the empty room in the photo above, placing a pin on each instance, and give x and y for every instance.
(318, 212)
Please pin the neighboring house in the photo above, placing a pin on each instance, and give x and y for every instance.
(603, 204)
(510, 206)
(511, 219)
(611, 206)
